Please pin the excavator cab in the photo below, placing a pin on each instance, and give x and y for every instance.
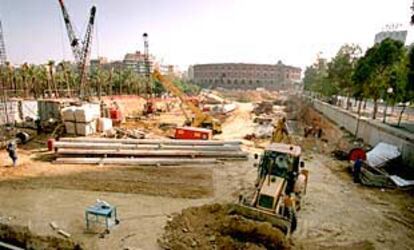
(212, 124)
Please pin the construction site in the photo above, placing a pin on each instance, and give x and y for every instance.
(87, 168)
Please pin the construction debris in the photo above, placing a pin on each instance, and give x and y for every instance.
(264, 107)
(130, 133)
(212, 227)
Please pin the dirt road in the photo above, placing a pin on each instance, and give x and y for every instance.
(341, 214)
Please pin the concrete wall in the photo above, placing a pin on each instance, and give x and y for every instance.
(372, 132)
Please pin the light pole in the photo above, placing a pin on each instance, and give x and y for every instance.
(389, 93)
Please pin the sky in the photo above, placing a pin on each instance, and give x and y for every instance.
(186, 32)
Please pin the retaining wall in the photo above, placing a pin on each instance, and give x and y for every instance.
(372, 132)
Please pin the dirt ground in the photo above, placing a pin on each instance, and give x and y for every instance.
(337, 214)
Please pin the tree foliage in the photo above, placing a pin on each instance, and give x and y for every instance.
(385, 72)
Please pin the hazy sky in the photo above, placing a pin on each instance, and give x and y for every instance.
(184, 32)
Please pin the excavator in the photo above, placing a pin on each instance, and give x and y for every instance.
(200, 119)
(280, 185)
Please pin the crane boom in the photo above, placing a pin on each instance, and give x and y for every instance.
(73, 39)
(80, 49)
(86, 49)
(201, 119)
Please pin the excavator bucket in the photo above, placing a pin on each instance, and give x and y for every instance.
(248, 212)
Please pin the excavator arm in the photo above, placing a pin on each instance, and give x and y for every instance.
(199, 116)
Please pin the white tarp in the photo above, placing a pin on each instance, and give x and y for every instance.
(85, 129)
(68, 114)
(104, 124)
(28, 109)
(382, 153)
(400, 182)
(87, 113)
(12, 113)
(70, 128)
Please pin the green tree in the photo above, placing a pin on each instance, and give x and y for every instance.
(340, 70)
(383, 58)
(405, 89)
(316, 79)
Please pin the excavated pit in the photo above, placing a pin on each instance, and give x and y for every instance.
(22, 237)
(212, 227)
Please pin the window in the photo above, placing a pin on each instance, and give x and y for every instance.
(266, 201)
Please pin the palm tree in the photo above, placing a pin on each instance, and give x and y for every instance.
(25, 75)
(67, 76)
(52, 84)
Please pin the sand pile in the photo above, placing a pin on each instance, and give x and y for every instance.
(212, 227)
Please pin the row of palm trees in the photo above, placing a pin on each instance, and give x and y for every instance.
(62, 80)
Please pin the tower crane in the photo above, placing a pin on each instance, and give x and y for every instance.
(3, 57)
(80, 48)
(149, 105)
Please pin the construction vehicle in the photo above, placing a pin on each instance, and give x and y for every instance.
(281, 183)
(200, 119)
(280, 132)
(81, 49)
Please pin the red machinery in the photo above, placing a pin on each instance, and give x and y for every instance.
(191, 133)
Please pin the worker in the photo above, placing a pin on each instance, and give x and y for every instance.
(357, 170)
(11, 149)
(38, 126)
(280, 131)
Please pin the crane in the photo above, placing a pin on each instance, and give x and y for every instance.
(80, 48)
(201, 119)
(149, 106)
(3, 56)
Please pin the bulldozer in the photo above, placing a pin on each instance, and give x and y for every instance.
(280, 185)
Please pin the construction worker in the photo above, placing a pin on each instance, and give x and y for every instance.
(357, 170)
(11, 149)
(38, 126)
(280, 131)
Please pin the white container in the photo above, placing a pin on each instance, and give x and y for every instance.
(104, 124)
(68, 114)
(85, 129)
(87, 113)
(70, 128)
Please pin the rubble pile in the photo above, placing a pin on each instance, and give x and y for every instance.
(212, 227)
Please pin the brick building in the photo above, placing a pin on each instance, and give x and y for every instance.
(245, 76)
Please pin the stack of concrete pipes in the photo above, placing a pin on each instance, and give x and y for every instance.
(157, 152)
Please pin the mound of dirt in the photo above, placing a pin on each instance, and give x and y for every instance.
(22, 237)
(212, 227)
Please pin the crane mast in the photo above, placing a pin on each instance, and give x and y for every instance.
(3, 56)
(147, 66)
